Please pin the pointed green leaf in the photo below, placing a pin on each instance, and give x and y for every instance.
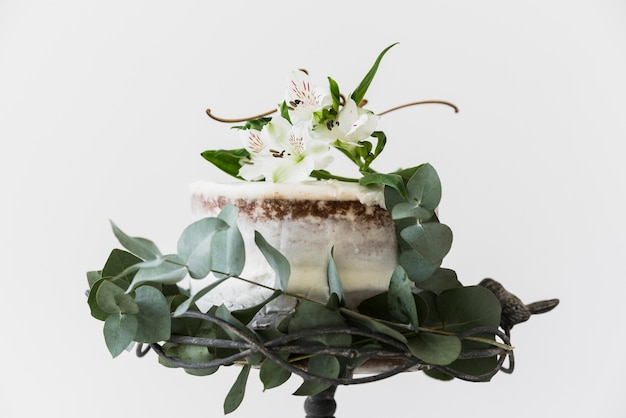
(372, 325)
(435, 348)
(117, 263)
(276, 260)
(334, 282)
(113, 300)
(119, 331)
(227, 249)
(166, 272)
(273, 375)
(184, 307)
(237, 391)
(359, 92)
(432, 240)
(228, 161)
(400, 298)
(194, 245)
(141, 247)
(392, 180)
(154, 319)
(93, 277)
(191, 354)
(322, 366)
(247, 314)
(92, 301)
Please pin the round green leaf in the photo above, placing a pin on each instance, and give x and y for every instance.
(461, 309)
(113, 299)
(227, 249)
(154, 320)
(323, 366)
(435, 348)
(432, 240)
(194, 245)
(424, 187)
(119, 331)
(272, 375)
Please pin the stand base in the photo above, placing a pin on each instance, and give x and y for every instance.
(322, 405)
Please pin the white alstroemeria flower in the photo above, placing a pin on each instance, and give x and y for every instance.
(282, 152)
(304, 99)
(353, 124)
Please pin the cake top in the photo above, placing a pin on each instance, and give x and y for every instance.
(313, 190)
(312, 125)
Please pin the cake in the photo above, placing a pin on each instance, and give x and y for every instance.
(305, 222)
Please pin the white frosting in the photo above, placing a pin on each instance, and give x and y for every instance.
(311, 190)
(365, 246)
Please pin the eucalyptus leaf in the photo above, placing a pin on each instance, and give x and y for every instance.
(334, 282)
(310, 315)
(276, 260)
(113, 300)
(119, 331)
(184, 307)
(194, 245)
(410, 210)
(435, 348)
(273, 375)
(228, 161)
(416, 266)
(424, 187)
(154, 319)
(117, 262)
(400, 299)
(464, 308)
(166, 272)
(322, 366)
(141, 247)
(247, 314)
(372, 325)
(92, 301)
(190, 354)
(228, 255)
(223, 313)
(442, 279)
(432, 240)
(237, 391)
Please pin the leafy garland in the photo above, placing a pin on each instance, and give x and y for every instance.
(141, 297)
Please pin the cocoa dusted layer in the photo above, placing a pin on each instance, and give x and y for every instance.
(281, 209)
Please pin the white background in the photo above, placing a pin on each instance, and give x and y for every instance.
(102, 117)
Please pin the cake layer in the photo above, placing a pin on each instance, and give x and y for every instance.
(305, 222)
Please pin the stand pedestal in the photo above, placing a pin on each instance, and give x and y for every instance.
(322, 405)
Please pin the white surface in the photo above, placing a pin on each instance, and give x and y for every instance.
(102, 117)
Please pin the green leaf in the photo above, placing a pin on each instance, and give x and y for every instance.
(334, 282)
(410, 210)
(190, 354)
(237, 391)
(310, 315)
(93, 277)
(417, 268)
(154, 320)
(169, 271)
(322, 366)
(400, 299)
(424, 187)
(228, 161)
(272, 375)
(435, 348)
(372, 325)
(223, 313)
(246, 315)
(92, 301)
(119, 331)
(359, 92)
(227, 248)
(117, 263)
(184, 307)
(194, 245)
(432, 240)
(464, 308)
(276, 260)
(442, 279)
(113, 300)
(141, 247)
(392, 180)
